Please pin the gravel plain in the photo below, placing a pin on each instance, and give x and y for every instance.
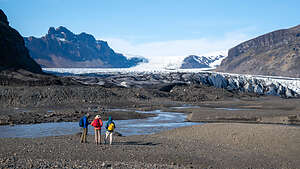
(221, 145)
(256, 134)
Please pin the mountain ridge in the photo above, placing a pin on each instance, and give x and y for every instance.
(194, 61)
(275, 53)
(61, 48)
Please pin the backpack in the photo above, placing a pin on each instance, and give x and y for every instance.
(111, 126)
(81, 122)
(97, 123)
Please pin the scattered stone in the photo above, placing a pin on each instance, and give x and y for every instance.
(117, 134)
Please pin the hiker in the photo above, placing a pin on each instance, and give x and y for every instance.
(110, 127)
(97, 124)
(83, 123)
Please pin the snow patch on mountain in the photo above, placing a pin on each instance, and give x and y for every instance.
(217, 61)
(194, 61)
(62, 39)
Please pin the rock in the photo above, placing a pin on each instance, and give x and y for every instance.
(4, 119)
(167, 87)
(14, 55)
(194, 61)
(58, 120)
(273, 54)
(117, 134)
(124, 84)
(62, 48)
(105, 165)
(3, 17)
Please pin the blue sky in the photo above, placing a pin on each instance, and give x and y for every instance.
(163, 30)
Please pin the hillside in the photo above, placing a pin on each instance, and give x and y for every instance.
(275, 53)
(13, 53)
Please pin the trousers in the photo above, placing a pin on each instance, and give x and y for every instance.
(110, 134)
(83, 135)
(98, 136)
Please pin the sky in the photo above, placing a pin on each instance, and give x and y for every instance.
(164, 31)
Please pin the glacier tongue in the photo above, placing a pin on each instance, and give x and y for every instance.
(262, 85)
(278, 86)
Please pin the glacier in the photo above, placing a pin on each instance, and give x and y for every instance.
(137, 77)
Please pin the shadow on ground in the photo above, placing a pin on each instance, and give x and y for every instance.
(137, 143)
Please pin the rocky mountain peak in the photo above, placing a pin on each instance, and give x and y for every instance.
(3, 17)
(62, 48)
(51, 30)
(65, 31)
(194, 61)
(60, 32)
(86, 37)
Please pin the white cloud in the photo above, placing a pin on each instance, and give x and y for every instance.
(172, 52)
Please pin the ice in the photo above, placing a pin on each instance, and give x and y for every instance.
(287, 82)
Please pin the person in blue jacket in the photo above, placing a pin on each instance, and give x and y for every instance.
(84, 123)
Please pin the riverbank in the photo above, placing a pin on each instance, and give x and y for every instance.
(39, 104)
(27, 98)
(202, 146)
(259, 110)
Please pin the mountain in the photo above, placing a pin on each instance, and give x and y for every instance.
(194, 61)
(13, 53)
(276, 53)
(62, 48)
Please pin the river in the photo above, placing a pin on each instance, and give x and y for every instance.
(163, 121)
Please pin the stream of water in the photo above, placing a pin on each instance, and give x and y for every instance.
(163, 121)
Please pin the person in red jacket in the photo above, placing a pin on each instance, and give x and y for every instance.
(97, 124)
